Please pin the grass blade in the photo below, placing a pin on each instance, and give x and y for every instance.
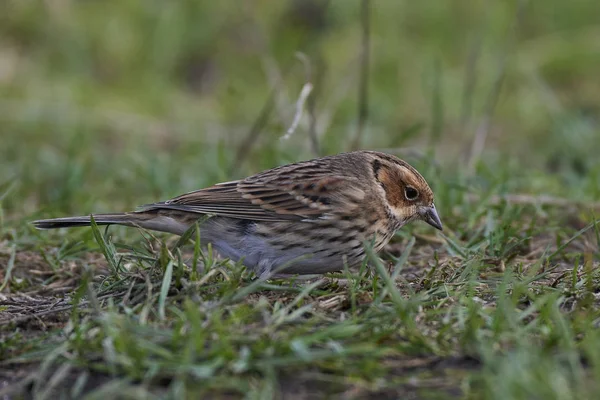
(575, 236)
(9, 267)
(105, 246)
(164, 290)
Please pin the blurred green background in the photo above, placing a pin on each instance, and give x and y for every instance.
(105, 105)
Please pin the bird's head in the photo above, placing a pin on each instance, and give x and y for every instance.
(407, 193)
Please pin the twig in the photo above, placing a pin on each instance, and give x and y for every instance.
(24, 318)
(304, 93)
(483, 129)
(51, 310)
(363, 85)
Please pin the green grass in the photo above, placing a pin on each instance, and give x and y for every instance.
(108, 105)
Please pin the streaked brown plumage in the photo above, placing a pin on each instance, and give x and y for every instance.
(302, 218)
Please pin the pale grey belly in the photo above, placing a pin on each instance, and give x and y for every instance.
(239, 240)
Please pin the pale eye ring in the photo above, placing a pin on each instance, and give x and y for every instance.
(411, 193)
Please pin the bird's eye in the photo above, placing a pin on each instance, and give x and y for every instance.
(411, 193)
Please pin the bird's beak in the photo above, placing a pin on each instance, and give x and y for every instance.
(430, 215)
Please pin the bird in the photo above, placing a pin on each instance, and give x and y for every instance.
(309, 217)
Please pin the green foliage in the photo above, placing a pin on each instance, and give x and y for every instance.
(108, 105)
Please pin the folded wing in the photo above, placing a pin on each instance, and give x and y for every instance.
(274, 195)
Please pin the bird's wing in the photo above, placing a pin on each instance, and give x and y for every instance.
(274, 195)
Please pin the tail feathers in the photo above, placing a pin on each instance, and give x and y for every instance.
(150, 219)
(101, 219)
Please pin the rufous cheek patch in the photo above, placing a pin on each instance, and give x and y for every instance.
(391, 182)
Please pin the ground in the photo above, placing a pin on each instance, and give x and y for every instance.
(108, 105)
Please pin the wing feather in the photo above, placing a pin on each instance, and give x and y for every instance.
(275, 195)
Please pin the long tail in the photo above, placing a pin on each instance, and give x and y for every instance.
(101, 219)
(149, 219)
